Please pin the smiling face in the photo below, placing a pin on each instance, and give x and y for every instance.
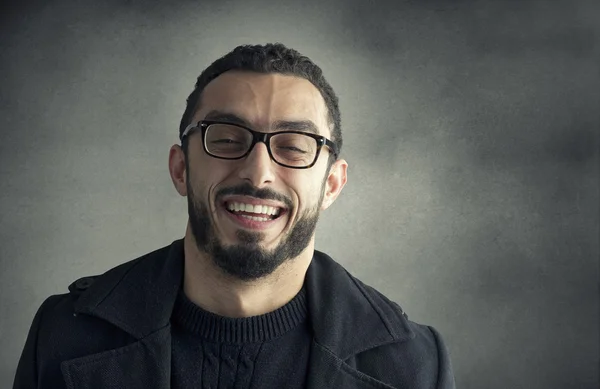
(251, 215)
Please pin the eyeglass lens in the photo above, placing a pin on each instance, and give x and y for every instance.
(229, 141)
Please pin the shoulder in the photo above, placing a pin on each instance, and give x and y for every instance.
(57, 313)
(62, 333)
(422, 359)
(80, 285)
(418, 357)
(421, 362)
(423, 338)
(99, 284)
(57, 310)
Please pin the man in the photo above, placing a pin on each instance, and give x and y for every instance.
(243, 300)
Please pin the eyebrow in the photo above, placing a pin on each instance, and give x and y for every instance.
(279, 125)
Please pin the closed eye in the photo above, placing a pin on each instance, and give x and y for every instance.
(291, 148)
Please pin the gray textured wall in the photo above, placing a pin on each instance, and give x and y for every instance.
(471, 131)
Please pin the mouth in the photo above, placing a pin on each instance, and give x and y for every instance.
(255, 215)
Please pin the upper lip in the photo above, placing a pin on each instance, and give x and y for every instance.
(253, 201)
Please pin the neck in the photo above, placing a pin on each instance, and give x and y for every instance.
(210, 288)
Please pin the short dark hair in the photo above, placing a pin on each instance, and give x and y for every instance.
(269, 58)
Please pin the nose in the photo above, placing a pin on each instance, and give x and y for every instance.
(257, 167)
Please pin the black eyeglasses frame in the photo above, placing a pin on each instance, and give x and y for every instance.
(258, 136)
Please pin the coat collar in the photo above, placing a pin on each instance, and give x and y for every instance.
(138, 297)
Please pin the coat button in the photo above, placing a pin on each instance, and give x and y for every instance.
(84, 283)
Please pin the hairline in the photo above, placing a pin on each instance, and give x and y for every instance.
(328, 115)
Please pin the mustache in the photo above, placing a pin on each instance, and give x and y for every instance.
(248, 190)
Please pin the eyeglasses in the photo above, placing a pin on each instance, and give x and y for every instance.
(293, 149)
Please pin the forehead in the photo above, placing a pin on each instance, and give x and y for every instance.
(262, 99)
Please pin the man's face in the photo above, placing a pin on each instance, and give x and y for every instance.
(245, 248)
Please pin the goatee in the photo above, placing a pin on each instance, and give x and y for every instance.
(247, 260)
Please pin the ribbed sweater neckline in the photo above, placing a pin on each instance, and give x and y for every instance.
(261, 328)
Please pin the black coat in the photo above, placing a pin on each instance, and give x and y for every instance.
(113, 331)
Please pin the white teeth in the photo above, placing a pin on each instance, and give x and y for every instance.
(258, 219)
(264, 209)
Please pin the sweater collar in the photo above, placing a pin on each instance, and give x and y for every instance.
(346, 316)
(195, 320)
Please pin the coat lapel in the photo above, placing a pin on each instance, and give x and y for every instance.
(326, 370)
(137, 297)
(348, 317)
(140, 365)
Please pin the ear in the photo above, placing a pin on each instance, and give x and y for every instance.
(335, 182)
(177, 169)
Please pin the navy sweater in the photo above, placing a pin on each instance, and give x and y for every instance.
(265, 351)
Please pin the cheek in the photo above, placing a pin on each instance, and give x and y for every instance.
(210, 178)
(207, 171)
(309, 194)
(199, 180)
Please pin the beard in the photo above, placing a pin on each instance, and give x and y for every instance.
(247, 260)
